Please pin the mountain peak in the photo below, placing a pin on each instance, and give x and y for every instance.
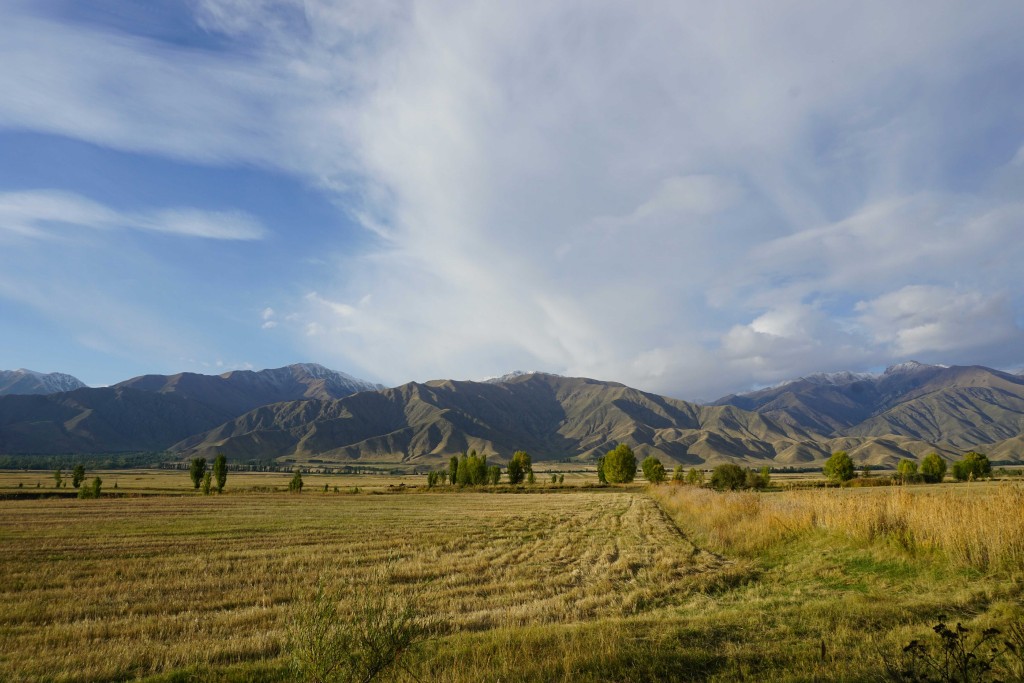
(515, 374)
(23, 381)
(910, 366)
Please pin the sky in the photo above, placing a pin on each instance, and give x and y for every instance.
(691, 198)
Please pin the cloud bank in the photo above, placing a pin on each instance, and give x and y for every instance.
(691, 198)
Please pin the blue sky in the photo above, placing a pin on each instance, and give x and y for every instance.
(692, 198)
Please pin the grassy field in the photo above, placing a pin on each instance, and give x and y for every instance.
(608, 584)
(171, 482)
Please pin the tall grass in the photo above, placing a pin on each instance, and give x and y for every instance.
(976, 526)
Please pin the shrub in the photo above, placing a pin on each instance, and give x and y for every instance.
(554, 478)
(839, 467)
(359, 633)
(620, 465)
(933, 468)
(973, 466)
(78, 475)
(600, 471)
(678, 475)
(728, 477)
(654, 471)
(561, 479)
(494, 475)
(91, 491)
(207, 482)
(295, 485)
(195, 470)
(695, 477)
(58, 479)
(530, 479)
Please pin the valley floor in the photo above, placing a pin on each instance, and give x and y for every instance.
(601, 584)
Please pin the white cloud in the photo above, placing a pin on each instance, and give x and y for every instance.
(689, 197)
(919, 319)
(42, 213)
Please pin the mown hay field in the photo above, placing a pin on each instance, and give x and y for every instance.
(582, 585)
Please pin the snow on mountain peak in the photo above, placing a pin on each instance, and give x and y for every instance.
(910, 366)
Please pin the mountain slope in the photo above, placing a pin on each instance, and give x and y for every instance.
(552, 417)
(956, 407)
(240, 391)
(101, 420)
(28, 382)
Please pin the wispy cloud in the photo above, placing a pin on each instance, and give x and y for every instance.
(43, 213)
(689, 197)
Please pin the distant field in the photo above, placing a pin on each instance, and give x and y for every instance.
(160, 481)
(589, 584)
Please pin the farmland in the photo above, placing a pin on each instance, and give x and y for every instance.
(567, 584)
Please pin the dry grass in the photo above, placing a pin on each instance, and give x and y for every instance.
(585, 585)
(115, 588)
(971, 525)
(171, 482)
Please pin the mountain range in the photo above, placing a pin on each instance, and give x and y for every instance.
(308, 413)
(29, 382)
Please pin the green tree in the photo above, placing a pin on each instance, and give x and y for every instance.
(195, 471)
(554, 478)
(600, 471)
(78, 475)
(561, 479)
(755, 481)
(518, 467)
(728, 477)
(432, 477)
(207, 482)
(933, 468)
(58, 478)
(766, 476)
(695, 477)
(295, 485)
(906, 471)
(654, 471)
(973, 466)
(620, 465)
(453, 470)
(839, 467)
(530, 479)
(494, 475)
(220, 471)
(91, 491)
(678, 474)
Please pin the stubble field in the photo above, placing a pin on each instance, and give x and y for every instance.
(565, 585)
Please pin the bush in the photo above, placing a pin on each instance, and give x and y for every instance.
(620, 465)
(839, 467)
(933, 468)
(973, 466)
(695, 477)
(654, 471)
(494, 475)
(359, 633)
(728, 477)
(600, 471)
(91, 491)
(678, 475)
